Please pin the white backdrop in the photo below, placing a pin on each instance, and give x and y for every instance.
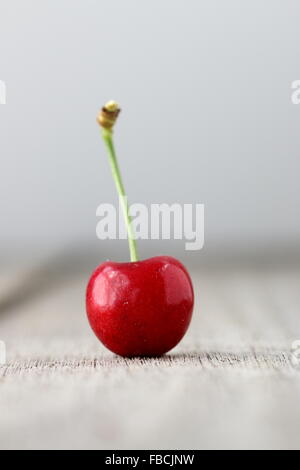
(207, 117)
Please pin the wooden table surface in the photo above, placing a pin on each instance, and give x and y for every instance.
(231, 382)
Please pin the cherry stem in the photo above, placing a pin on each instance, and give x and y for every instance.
(108, 139)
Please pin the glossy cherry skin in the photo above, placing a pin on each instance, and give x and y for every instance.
(142, 308)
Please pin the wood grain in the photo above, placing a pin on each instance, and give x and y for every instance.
(230, 383)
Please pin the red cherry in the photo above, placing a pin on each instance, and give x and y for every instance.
(140, 308)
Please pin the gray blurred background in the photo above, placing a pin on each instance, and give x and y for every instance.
(205, 89)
